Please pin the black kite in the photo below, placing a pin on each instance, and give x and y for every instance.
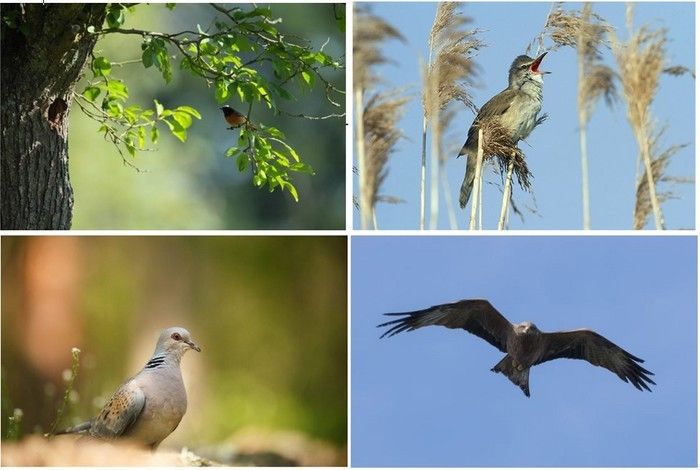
(525, 345)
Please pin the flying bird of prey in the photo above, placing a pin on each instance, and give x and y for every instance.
(524, 344)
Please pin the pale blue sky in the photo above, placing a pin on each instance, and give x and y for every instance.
(553, 151)
(428, 397)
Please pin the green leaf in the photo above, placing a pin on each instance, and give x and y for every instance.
(159, 108)
(162, 63)
(129, 142)
(177, 130)
(186, 64)
(265, 12)
(241, 44)
(222, 92)
(113, 108)
(292, 152)
(91, 93)
(282, 159)
(282, 92)
(101, 67)
(303, 168)
(322, 58)
(291, 189)
(147, 57)
(242, 162)
(170, 6)
(115, 15)
(229, 59)
(130, 115)
(274, 132)
(189, 110)
(117, 89)
(184, 119)
(308, 78)
(232, 152)
(155, 134)
(207, 48)
(142, 137)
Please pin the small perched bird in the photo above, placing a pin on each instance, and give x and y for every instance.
(516, 109)
(234, 118)
(524, 344)
(149, 406)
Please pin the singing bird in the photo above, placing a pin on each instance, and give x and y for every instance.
(524, 344)
(149, 406)
(516, 109)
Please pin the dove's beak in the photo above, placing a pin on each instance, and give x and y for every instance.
(194, 346)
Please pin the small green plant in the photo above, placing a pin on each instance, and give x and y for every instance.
(14, 425)
(69, 377)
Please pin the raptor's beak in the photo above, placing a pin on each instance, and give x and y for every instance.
(194, 346)
(536, 64)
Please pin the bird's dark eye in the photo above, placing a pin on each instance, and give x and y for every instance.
(176, 336)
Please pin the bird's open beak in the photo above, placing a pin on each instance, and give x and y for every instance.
(194, 346)
(536, 64)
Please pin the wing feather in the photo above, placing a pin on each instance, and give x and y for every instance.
(599, 351)
(120, 412)
(476, 316)
(487, 111)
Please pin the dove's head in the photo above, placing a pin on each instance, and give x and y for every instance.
(175, 340)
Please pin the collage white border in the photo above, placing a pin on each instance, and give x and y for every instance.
(350, 232)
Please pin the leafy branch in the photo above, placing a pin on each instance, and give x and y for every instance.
(246, 56)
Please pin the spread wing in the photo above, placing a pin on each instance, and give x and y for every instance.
(120, 412)
(599, 351)
(476, 316)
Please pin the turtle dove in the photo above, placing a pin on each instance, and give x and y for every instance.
(149, 406)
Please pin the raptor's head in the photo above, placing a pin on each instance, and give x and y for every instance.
(527, 328)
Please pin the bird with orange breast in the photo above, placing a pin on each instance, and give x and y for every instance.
(234, 118)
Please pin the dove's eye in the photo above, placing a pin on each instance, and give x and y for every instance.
(176, 336)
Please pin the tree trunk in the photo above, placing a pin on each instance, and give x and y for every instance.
(43, 53)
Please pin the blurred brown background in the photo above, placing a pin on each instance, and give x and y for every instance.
(269, 312)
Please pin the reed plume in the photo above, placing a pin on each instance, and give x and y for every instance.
(641, 61)
(375, 131)
(449, 73)
(586, 32)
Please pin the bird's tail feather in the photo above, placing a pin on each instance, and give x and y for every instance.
(468, 183)
(519, 376)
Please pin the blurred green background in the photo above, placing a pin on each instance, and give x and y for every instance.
(192, 185)
(270, 314)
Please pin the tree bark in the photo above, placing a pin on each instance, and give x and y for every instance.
(43, 53)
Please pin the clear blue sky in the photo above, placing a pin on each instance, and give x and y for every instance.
(428, 397)
(553, 151)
